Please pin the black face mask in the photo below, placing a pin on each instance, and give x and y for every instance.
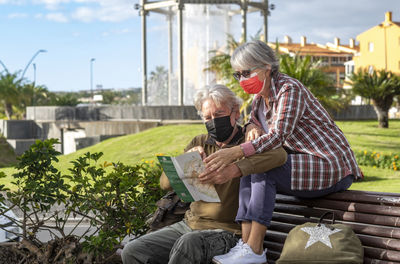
(220, 128)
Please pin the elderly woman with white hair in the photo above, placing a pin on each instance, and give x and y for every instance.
(284, 114)
(208, 229)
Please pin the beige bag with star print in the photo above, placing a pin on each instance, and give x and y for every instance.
(322, 243)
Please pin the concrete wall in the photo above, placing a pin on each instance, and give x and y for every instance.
(18, 129)
(97, 113)
(98, 122)
(20, 145)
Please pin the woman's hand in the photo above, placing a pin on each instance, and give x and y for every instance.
(253, 132)
(199, 149)
(214, 177)
(223, 157)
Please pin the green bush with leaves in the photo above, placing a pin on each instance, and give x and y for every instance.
(112, 198)
(378, 160)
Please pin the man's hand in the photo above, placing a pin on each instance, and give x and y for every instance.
(253, 132)
(215, 177)
(222, 158)
(199, 149)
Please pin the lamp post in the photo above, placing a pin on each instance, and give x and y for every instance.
(91, 77)
(29, 63)
(34, 73)
(4, 66)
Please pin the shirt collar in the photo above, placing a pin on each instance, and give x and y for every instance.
(274, 87)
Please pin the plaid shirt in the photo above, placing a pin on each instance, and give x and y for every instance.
(320, 153)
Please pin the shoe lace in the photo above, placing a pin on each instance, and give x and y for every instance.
(245, 250)
(238, 246)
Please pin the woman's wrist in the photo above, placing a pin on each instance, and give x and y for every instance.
(247, 149)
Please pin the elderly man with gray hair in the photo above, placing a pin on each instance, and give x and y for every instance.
(208, 229)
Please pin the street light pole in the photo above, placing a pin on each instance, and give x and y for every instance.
(29, 63)
(91, 77)
(34, 73)
(4, 66)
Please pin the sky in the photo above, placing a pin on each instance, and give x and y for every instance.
(74, 31)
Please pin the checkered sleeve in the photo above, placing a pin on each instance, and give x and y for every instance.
(290, 107)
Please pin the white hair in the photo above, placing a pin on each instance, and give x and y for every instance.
(254, 54)
(220, 94)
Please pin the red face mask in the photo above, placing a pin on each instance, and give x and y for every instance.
(251, 85)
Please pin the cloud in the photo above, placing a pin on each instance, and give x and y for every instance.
(105, 10)
(57, 17)
(17, 15)
(117, 32)
(51, 4)
(13, 2)
(84, 14)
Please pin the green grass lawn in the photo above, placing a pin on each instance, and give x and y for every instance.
(131, 149)
(365, 135)
(7, 155)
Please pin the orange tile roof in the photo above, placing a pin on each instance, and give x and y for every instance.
(313, 49)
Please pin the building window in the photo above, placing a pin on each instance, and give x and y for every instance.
(370, 46)
(399, 65)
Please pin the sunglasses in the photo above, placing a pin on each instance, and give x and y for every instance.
(244, 73)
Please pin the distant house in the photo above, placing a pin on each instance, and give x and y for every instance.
(380, 47)
(333, 55)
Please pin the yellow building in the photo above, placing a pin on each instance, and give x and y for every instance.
(380, 47)
(333, 56)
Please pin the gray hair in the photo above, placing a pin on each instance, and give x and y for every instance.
(254, 54)
(220, 94)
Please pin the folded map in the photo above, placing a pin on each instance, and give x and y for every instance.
(182, 172)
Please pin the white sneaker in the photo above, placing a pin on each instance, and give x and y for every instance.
(219, 259)
(242, 255)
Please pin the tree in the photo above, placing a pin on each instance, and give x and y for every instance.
(158, 85)
(380, 87)
(311, 74)
(109, 97)
(302, 68)
(220, 65)
(65, 99)
(31, 95)
(9, 91)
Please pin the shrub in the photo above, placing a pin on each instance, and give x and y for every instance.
(378, 160)
(113, 198)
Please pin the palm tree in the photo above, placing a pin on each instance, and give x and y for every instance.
(9, 92)
(31, 95)
(158, 85)
(311, 74)
(302, 68)
(379, 86)
(220, 65)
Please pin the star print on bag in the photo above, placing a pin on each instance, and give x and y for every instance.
(319, 233)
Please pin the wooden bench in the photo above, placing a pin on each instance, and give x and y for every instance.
(374, 217)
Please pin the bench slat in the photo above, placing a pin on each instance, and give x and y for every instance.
(379, 242)
(273, 246)
(368, 197)
(342, 205)
(378, 261)
(272, 256)
(346, 216)
(383, 254)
